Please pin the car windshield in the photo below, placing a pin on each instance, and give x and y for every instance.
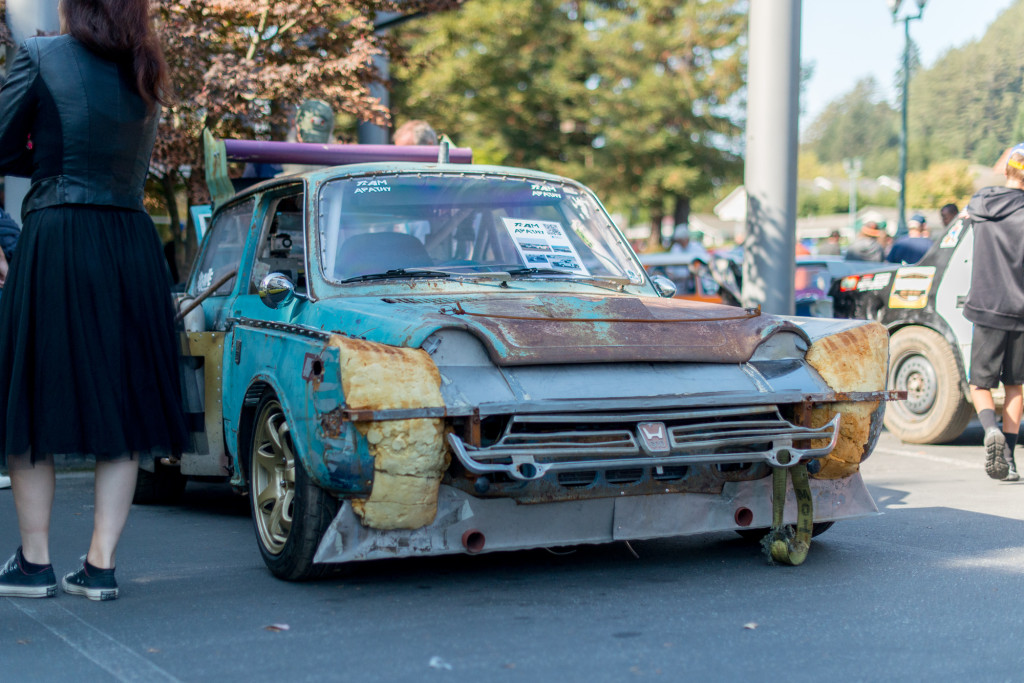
(467, 224)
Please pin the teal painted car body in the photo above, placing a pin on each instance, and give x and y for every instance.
(538, 318)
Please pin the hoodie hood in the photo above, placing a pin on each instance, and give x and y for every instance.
(995, 203)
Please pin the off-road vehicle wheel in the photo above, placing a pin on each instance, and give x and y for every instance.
(921, 362)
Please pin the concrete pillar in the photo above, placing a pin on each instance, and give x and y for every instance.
(773, 86)
(371, 133)
(25, 18)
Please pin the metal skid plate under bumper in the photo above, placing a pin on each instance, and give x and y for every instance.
(467, 524)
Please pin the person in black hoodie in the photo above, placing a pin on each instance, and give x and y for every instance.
(995, 304)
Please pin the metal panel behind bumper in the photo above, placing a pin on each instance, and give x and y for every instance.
(507, 525)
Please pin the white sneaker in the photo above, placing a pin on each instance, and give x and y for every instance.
(5, 482)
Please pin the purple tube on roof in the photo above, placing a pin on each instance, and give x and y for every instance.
(259, 151)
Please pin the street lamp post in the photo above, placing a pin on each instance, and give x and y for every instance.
(894, 7)
(853, 168)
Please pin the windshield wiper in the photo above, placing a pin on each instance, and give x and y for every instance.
(398, 273)
(527, 270)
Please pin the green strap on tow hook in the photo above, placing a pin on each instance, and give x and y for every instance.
(782, 544)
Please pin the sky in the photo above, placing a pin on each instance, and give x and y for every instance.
(847, 40)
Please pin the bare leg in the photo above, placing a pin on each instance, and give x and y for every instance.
(1012, 408)
(982, 399)
(115, 486)
(33, 485)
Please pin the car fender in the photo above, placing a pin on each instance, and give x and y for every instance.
(306, 381)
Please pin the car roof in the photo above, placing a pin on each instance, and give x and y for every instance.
(321, 175)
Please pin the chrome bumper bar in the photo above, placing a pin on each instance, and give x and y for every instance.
(570, 452)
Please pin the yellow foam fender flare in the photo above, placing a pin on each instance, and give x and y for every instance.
(783, 545)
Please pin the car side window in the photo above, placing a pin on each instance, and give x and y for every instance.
(282, 246)
(225, 244)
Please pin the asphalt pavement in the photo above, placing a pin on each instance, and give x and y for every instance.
(928, 590)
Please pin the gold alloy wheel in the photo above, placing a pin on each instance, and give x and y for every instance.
(272, 483)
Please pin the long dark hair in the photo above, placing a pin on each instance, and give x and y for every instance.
(120, 30)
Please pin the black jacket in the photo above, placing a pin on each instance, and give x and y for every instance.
(75, 123)
(9, 233)
(996, 298)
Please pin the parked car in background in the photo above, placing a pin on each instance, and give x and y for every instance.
(719, 280)
(378, 358)
(712, 281)
(814, 278)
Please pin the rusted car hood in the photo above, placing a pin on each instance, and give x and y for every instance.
(543, 329)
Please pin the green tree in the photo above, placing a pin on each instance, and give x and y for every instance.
(637, 98)
(968, 105)
(940, 184)
(858, 124)
(237, 65)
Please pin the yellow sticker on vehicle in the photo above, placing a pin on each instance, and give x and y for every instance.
(911, 286)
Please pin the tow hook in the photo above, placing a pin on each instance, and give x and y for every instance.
(782, 544)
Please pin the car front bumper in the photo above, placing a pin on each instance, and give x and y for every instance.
(465, 524)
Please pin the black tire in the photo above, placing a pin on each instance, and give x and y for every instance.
(290, 513)
(755, 535)
(922, 363)
(164, 486)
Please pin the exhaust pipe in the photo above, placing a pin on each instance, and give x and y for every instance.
(473, 541)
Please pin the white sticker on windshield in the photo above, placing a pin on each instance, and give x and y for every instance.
(376, 185)
(544, 244)
(205, 279)
(543, 190)
(581, 205)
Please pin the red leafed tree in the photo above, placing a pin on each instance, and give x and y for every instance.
(238, 66)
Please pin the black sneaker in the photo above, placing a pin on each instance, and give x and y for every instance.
(92, 582)
(15, 582)
(995, 460)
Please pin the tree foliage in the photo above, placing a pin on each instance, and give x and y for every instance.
(637, 98)
(969, 105)
(858, 124)
(941, 183)
(237, 64)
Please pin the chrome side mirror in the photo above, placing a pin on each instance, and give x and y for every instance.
(276, 290)
(664, 286)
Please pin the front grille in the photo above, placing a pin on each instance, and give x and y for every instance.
(529, 446)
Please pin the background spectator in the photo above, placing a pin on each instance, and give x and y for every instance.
(916, 244)
(868, 245)
(415, 132)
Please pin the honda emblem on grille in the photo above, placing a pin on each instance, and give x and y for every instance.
(653, 438)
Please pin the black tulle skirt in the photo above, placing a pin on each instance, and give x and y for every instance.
(88, 352)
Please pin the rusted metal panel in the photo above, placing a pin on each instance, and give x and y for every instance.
(210, 458)
(502, 524)
(591, 329)
(366, 415)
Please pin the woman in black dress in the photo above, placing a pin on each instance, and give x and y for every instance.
(88, 362)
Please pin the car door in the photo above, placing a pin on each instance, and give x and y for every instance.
(214, 280)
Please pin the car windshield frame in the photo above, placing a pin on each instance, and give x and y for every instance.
(576, 235)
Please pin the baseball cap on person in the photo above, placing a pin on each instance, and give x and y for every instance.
(872, 229)
(1018, 150)
(315, 121)
(681, 232)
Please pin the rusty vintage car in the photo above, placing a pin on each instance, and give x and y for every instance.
(427, 356)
